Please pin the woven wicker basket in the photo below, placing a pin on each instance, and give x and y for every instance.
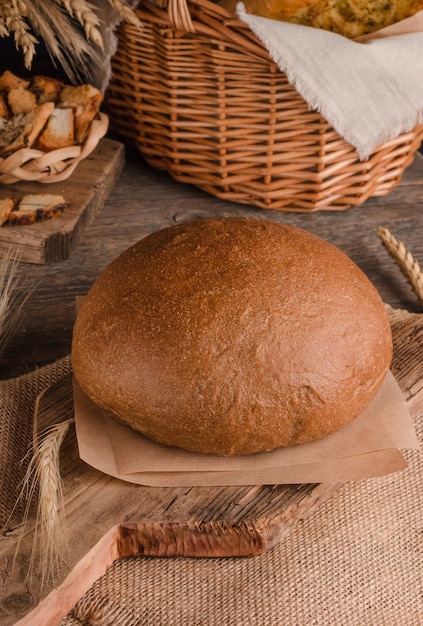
(198, 95)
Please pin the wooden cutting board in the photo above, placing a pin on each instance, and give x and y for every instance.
(108, 519)
(85, 191)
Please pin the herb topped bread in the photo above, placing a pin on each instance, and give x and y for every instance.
(350, 18)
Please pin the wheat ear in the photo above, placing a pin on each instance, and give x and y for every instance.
(43, 476)
(12, 20)
(128, 14)
(10, 296)
(65, 44)
(56, 23)
(404, 259)
(84, 13)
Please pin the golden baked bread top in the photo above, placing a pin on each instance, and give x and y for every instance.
(350, 18)
(232, 336)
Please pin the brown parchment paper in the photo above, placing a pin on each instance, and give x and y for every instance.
(370, 446)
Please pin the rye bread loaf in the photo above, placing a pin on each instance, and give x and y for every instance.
(232, 336)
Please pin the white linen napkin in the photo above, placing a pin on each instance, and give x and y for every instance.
(369, 91)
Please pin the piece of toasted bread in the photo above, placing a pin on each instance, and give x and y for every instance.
(21, 100)
(8, 80)
(4, 109)
(85, 100)
(36, 208)
(44, 113)
(22, 130)
(6, 207)
(85, 95)
(59, 130)
(11, 129)
(46, 89)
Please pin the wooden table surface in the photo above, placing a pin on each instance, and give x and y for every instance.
(142, 201)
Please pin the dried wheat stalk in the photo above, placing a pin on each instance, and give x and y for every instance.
(83, 12)
(12, 20)
(404, 259)
(11, 299)
(70, 30)
(43, 472)
(43, 478)
(125, 12)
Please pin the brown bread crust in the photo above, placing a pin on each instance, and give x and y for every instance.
(232, 336)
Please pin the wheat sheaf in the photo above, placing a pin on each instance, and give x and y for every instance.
(70, 29)
(14, 291)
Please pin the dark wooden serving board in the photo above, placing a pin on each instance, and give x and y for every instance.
(85, 191)
(108, 519)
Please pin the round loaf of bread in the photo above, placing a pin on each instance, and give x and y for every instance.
(232, 336)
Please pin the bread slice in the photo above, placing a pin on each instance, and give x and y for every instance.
(36, 208)
(59, 130)
(85, 100)
(11, 130)
(6, 207)
(4, 109)
(22, 130)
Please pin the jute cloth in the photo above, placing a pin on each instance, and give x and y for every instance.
(356, 561)
(17, 404)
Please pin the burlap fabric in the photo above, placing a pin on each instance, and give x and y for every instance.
(17, 403)
(356, 561)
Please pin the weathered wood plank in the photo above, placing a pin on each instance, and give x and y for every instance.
(86, 191)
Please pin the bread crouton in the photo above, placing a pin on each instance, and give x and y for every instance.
(4, 109)
(22, 130)
(21, 100)
(6, 207)
(85, 100)
(36, 208)
(85, 96)
(59, 130)
(8, 80)
(46, 89)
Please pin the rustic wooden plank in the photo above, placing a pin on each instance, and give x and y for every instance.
(86, 191)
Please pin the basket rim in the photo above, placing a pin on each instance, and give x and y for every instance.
(219, 19)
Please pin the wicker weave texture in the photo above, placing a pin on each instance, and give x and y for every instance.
(213, 110)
